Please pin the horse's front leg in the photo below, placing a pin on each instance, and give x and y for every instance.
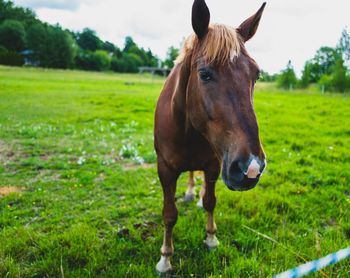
(209, 202)
(168, 180)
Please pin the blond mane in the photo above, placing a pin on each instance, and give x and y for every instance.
(221, 44)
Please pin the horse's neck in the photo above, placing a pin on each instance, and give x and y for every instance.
(178, 103)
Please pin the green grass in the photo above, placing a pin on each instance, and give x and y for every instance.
(71, 139)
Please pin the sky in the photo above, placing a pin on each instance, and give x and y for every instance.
(289, 29)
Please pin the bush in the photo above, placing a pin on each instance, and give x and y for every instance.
(11, 58)
(127, 63)
(338, 81)
(83, 60)
(326, 81)
(101, 60)
(97, 60)
(3, 49)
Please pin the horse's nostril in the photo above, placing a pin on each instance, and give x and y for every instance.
(236, 171)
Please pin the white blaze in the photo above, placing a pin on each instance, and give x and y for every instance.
(253, 169)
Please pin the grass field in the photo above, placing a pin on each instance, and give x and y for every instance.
(78, 147)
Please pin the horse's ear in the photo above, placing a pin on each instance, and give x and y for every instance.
(248, 28)
(200, 18)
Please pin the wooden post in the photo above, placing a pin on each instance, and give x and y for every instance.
(322, 89)
(152, 76)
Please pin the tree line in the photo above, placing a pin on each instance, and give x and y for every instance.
(329, 68)
(25, 39)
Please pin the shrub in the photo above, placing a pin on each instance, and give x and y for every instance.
(127, 63)
(326, 81)
(11, 58)
(100, 60)
(3, 49)
(338, 81)
(97, 60)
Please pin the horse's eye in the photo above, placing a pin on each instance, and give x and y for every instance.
(205, 76)
(258, 76)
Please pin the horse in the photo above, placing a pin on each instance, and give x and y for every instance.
(205, 119)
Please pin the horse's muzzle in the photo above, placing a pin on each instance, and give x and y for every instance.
(241, 174)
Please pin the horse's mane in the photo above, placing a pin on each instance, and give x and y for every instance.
(221, 44)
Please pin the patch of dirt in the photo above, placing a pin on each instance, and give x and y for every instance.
(44, 175)
(3, 146)
(129, 167)
(7, 152)
(123, 233)
(8, 190)
(147, 229)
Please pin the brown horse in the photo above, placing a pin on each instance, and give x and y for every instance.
(205, 118)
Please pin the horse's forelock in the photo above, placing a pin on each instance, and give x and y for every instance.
(221, 44)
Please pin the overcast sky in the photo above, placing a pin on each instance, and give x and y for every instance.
(289, 29)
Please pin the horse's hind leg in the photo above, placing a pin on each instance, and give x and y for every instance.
(209, 202)
(201, 193)
(191, 192)
(168, 180)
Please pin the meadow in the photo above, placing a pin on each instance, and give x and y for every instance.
(76, 149)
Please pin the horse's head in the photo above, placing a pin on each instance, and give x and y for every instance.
(220, 95)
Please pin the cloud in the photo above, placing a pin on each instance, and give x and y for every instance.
(289, 29)
(71, 5)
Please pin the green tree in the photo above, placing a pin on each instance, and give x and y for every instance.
(117, 53)
(88, 40)
(152, 60)
(344, 45)
(65, 48)
(12, 35)
(129, 43)
(140, 52)
(24, 15)
(339, 77)
(108, 46)
(52, 47)
(327, 58)
(315, 71)
(171, 57)
(287, 77)
(338, 81)
(306, 75)
(37, 42)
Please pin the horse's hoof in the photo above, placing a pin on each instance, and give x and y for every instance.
(163, 266)
(189, 198)
(200, 203)
(211, 242)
